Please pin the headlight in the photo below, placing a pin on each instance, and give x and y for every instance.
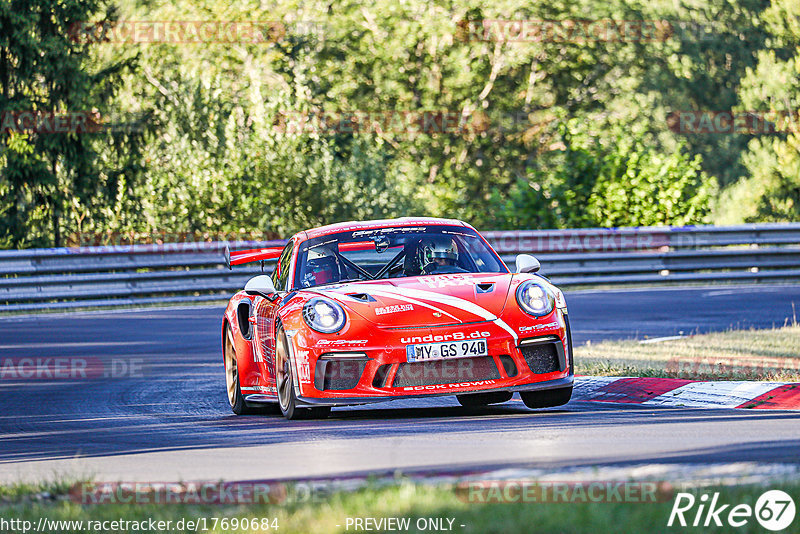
(324, 315)
(535, 299)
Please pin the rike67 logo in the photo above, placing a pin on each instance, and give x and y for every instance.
(774, 510)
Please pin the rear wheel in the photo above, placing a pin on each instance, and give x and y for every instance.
(484, 399)
(284, 379)
(547, 398)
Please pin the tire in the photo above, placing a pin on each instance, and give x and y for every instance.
(547, 398)
(284, 382)
(484, 399)
(235, 397)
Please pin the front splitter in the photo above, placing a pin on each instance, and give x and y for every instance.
(355, 401)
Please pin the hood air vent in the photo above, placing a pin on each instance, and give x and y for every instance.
(363, 297)
(485, 287)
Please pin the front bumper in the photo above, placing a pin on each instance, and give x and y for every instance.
(369, 365)
(343, 401)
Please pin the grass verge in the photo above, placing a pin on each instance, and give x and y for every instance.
(771, 354)
(415, 501)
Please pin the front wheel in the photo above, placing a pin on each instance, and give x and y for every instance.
(484, 399)
(547, 398)
(284, 380)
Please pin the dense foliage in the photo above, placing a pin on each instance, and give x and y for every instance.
(567, 131)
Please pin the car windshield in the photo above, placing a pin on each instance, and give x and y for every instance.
(393, 253)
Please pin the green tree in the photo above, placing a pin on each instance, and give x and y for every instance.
(700, 67)
(51, 178)
(769, 190)
(622, 183)
(566, 131)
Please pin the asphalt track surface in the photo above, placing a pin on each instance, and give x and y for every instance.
(169, 419)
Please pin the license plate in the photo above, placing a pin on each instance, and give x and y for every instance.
(449, 349)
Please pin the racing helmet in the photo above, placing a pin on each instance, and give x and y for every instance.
(323, 270)
(438, 248)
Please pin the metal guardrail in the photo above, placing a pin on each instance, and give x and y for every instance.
(100, 276)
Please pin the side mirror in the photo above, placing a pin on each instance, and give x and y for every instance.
(527, 264)
(260, 285)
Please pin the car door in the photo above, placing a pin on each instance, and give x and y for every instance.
(267, 312)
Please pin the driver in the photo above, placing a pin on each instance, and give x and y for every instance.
(438, 254)
(321, 270)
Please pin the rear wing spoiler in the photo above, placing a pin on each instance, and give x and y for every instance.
(239, 257)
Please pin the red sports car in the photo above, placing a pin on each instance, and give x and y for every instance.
(362, 312)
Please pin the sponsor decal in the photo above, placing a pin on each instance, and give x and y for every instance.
(397, 308)
(258, 355)
(561, 302)
(340, 342)
(303, 367)
(535, 327)
(449, 386)
(305, 372)
(406, 229)
(446, 280)
(455, 336)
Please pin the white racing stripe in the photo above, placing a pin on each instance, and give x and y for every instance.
(403, 298)
(455, 302)
(465, 305)
(502, 324)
